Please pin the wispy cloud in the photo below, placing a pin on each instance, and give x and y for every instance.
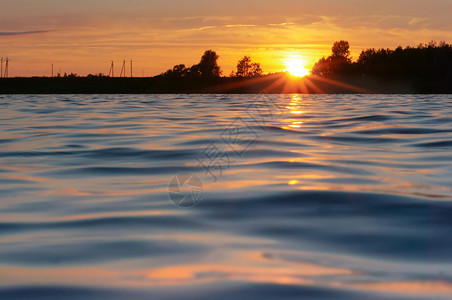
(23, 32)
(240, 25)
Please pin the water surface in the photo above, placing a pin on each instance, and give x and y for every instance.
(303, 197)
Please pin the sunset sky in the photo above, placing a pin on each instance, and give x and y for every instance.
(84, 36)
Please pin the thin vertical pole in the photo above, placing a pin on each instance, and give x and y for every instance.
(111, 72)
(6, 68)
(123, 69)
(131, 69)
(1, 69)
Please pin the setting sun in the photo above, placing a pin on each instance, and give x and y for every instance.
(296, 66)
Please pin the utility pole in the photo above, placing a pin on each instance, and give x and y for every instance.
(1, 69)
(52, 70)
(131, 69)
(112, 70)
(6, 68)
(123, 69)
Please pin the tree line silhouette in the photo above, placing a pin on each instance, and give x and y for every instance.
(427, 66)
(425, 62)
(208, 68)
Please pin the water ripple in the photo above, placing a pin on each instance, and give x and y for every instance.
(316, 197)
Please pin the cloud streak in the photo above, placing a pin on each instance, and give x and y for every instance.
(23, 32)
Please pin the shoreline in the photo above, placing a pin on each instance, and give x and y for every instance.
(268, 84)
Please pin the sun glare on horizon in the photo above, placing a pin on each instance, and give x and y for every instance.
(296, 66)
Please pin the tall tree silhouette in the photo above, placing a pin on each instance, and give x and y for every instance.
(338, 63)
(208, 66)
(341, 50)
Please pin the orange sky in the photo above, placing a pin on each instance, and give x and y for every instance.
(84, 36)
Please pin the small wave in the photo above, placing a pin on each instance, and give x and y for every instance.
(304, 165)
(87, 251)
(438, 144)
(119, 171)
(376, 118)
(356, 139)
(396, 130)
(381, 225)
(106, 153)
(138, 223)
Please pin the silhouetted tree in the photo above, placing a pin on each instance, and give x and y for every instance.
(430, 62)
(341, 50)
(195, 71)
(246, 68)
(366, 58)
(339, 62)
(72, 75)
(93, 75)
(321, 67)
(178, 71)
(425, 68)
(208, 66)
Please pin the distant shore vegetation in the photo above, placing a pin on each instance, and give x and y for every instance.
(426, 68)
(208, 68)
(424, 61)
(433, 59)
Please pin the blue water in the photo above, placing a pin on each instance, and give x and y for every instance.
(295, 197)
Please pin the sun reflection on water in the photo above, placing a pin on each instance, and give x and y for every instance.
(295, 108)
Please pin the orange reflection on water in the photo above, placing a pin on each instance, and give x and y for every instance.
(238, 180)
(409, 287)
(254, 267)
(192, 274)
(28, 178)
(241, 266)
(94, 276)
(246, 267)
(294, 108)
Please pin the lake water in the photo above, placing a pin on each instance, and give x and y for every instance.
(226, 197)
